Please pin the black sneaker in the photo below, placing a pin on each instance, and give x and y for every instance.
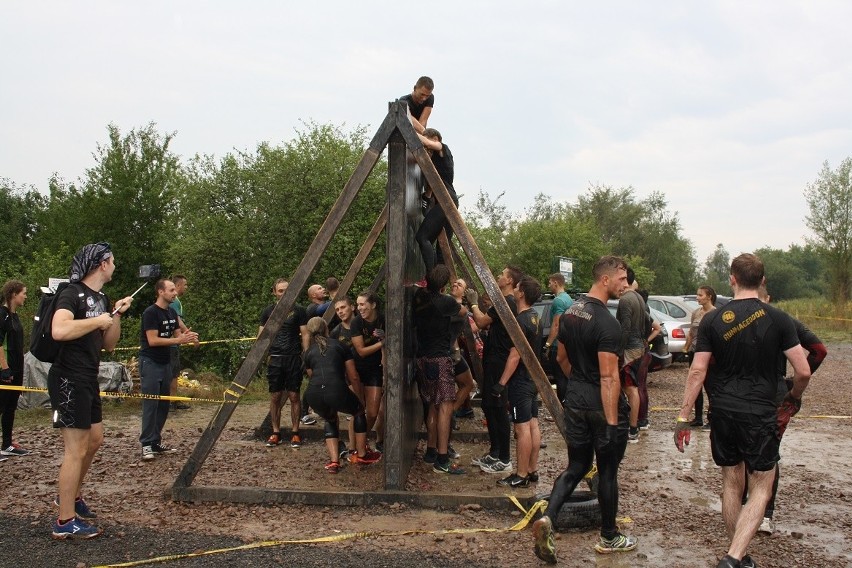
(452, 453)
(728, 562)
(747, 562)
(430, 455)
(514, 481)
(158, 449)
(533, 476)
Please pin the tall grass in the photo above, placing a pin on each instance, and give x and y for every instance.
(831, 322)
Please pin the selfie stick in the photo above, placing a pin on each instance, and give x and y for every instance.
(115, 311)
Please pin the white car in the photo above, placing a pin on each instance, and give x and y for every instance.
(677, 330)
(673, 306)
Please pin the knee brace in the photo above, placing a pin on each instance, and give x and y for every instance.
(331, 429)
(359, 422)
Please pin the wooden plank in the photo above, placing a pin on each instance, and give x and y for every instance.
(359, 260)
(257, 496)
(477, 260)
(297, 282)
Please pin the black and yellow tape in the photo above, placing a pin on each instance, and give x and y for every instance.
(114, 394)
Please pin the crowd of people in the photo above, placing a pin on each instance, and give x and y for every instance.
(737, 355)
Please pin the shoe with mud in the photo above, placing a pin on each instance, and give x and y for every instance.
(273, 441)
(618, 543)
(545, 545)
(296, 441)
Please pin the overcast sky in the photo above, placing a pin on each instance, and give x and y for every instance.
(728, 108)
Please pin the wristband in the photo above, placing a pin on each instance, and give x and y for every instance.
(679, 419)
(474, 306)
(547, 345)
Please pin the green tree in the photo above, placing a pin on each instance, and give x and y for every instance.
(18, 225)
(717, 270)
(830, 204)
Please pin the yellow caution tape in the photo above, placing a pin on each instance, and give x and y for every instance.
(115, 394)
(208, 342)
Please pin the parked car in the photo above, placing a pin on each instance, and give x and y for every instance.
(661, 348)
(673, 306)
(691, 300)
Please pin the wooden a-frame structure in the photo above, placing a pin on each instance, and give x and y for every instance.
(403, 266)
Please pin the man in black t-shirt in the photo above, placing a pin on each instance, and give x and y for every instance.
(589, 343)
(162, 329)
(83, 325)
(497, 346)
(745, 340)
(433, 312)
(421, 100)
(522, 392)
(284, 368)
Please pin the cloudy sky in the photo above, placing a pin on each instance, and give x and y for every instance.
(729, 108)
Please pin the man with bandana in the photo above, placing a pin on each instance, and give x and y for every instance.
(83, 324)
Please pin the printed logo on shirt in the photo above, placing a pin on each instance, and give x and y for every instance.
(728, 316)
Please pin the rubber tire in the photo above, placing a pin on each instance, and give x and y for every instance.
(580, 511)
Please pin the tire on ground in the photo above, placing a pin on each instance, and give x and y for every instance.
(580, 511)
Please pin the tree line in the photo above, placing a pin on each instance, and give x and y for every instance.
(234, 224)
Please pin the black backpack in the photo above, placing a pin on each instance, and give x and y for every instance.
(42, 345)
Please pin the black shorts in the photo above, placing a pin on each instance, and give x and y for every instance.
(523, 402)
(586, 427)
(75, 403)
(372, 376)
(460, 367)
(737, 437)
(285, 373)
(328, 400)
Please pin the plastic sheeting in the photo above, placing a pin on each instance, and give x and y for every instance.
(112, 376)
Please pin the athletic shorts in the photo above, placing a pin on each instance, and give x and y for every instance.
(631, 373)
(523, 401)
(328, 400)
(460, 367)
(737, 437)
(586, 427)
(436, 380)
(75, 403)
(372, 376)
(285, 373)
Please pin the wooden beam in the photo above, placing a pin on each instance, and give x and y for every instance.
(297, 282)
(477, 260)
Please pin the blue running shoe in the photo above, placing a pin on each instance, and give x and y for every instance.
(75, 528)
(80, 509)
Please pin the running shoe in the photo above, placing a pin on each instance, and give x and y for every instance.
(487, 459)
(296, 441)
(75, 528)
(644, 424)
(158, 449)
(452, 453)
(80, 509)
(342, 450)
(496, 467)
(449, 468)
(767, 526)
(545, 545)
(370, 457)
(728, 562)
(633, 435)
(380, 447)
(514, 481)
(430, 455)
(308, 420)
(533, 476)
(2, 459)
(273, 441)
(618, 543)
(332, 467)
(15, 450)
(147, 453)
(747, 562)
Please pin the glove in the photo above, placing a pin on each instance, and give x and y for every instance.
(471, 296)
(682, 434)
(788, 409)
(497, 390)
(6, 375)
(609, 442)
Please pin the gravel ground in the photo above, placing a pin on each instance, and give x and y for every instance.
(670, 501)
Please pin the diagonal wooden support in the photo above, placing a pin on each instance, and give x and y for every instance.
(300, 277)
(470, 247)
(359, 260)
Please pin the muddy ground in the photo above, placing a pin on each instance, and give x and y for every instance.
(670, 501)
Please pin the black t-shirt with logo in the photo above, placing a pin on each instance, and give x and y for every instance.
(433, 313)
(498, 343)
(165, 321)
(531, 328)
(81, 357)
(586, 329)
(367, 331)
(328, 369)
(415, 108)
(288, 340)
(746, 338)
(343, 335)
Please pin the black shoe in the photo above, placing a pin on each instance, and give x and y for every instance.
(514, 481)
(747, 562)
(158, 449)
(533, 476)
(697, 423)
(181, 406)
(729, 562)
(431, 455)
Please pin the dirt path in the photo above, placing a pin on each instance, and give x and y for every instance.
(670, 501)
